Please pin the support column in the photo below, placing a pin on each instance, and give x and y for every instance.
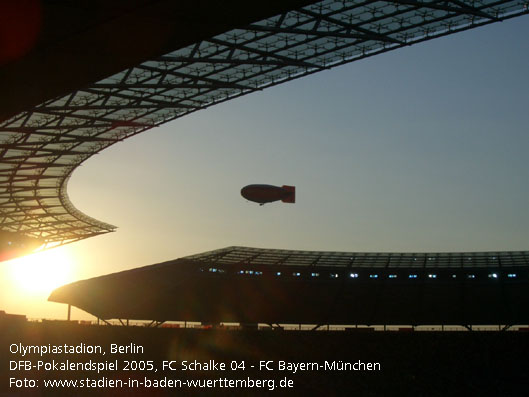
(69, 311)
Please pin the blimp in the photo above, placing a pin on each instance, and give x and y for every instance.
(263, 194)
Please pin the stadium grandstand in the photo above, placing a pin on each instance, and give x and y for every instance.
(254, 285)
(192, 58)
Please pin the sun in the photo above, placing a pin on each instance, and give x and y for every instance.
(41, 272)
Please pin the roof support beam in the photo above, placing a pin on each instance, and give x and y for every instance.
(461, 8)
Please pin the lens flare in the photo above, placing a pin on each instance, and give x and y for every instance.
(42, 271)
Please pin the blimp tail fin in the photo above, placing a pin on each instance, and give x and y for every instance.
(291, 198)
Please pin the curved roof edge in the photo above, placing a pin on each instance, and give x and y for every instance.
(40, 148)
(252, 285)
(266, 256)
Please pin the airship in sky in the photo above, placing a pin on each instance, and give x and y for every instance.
(268, 193)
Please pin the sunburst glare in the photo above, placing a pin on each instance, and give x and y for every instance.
(41, 272)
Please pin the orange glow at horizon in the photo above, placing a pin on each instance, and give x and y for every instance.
(41, 272)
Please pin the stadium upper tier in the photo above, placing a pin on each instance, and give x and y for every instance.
(275, 257)
(253, 285)
(42, 146)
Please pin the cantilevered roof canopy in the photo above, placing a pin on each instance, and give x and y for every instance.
(65, 45)
(278, 257)
(254, 285)
(41, 147)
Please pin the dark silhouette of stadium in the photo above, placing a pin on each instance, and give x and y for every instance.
(103, 71)
(252, 285)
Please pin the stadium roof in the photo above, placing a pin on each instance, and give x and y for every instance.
(42, 146)
(275, 257)
(251, 285)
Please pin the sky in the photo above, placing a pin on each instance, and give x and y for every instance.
(423, 149)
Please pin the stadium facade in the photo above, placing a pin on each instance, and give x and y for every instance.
(82, 114)
(253, 285)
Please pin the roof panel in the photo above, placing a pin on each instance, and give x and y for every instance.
(264, 256)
